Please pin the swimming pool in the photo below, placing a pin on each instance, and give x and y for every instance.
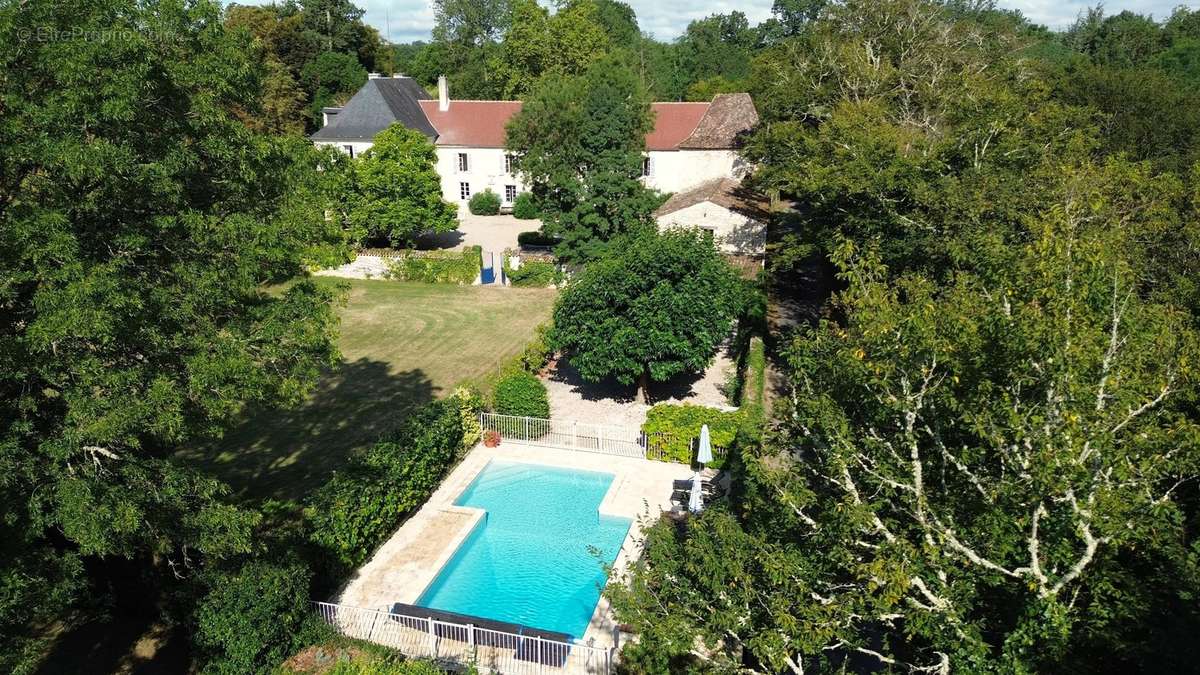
(536, 557)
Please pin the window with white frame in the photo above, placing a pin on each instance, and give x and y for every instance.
(645, 167)
(464, 191)
(508, 164)
(463, 164)
(510, 194)
(349, 150)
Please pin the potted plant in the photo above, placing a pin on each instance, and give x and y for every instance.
(491, 438)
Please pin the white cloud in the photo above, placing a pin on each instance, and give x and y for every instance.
(407, 20)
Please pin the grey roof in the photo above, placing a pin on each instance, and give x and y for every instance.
(381, 102)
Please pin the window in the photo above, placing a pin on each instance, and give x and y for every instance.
(645, 167)
(463, 165)
(349, 150)
(464, 191)
(510, 194)
(508, 164)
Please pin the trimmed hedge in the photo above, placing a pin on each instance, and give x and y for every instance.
(486, 203)
(437, 267)
(680, 424)
(536, 238)
(524, 207)
(521, 393)
(532, 274)
(362, 505)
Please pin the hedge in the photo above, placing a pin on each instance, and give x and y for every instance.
(437, 267)
(536, 238)
(486, 203)
(680, 425)
(521, 393)
(524, 208)
(361, 505)
(532, 274)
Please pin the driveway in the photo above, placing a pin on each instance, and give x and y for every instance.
(493, 233)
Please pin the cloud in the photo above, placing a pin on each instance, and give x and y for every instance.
(408, 20)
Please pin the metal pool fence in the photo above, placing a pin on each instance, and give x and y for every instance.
(460, 645)
(599, 438)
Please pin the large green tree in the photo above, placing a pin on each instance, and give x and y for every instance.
(139, 224)
(393, 192)
(656, 306)
(964, 478)
(579, 142)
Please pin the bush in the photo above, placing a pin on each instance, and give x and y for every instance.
(523, 394)
(437, 267)
(533, 274)
(486, 203)
(524, 208)
(536, 238)
(537, 353)
(470, 402)
(362, 504)
(679, 425)
(256, 617)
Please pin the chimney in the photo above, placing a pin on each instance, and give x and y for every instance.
(397, 75)
(372, 76)
(443, 94)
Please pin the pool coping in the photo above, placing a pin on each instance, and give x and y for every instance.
(404, 566)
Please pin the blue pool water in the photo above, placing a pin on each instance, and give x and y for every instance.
(536, 558)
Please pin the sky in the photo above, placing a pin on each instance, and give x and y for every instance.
(408, 20)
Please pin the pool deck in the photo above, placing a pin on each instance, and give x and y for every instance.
(407, 563)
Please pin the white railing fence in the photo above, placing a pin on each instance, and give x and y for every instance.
(600, 438)
(461, 645)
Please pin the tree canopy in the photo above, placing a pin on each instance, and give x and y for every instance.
(579, 143)
(655, 306)
(392, 193)
(140, 223)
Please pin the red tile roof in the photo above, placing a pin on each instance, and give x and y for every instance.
(477, 124)
(480, 124)
(673, 122)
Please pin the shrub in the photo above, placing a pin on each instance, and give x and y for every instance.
(679, 425)
(255, 617)
(533, 274)
(524, 208)
(536, 238)
(537, 353)
(470, 402)
(523, 394)
(362, 504)
(436, 267)
(486, 203)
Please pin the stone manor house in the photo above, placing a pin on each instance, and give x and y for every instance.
(691, 154)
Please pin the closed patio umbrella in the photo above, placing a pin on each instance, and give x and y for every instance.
(704, 454)
(696, 498)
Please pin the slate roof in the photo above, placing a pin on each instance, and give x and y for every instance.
(724, 192)
(381, 102)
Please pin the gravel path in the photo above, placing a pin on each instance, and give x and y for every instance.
(612, 403)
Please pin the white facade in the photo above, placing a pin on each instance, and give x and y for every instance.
(679, 170)
(670, 170)
(736, 233)
(485, 169)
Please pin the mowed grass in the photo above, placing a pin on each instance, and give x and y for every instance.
(402, 344)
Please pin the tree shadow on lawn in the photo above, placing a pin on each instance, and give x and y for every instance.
(287, 453)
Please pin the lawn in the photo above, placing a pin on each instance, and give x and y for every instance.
(402, 344)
